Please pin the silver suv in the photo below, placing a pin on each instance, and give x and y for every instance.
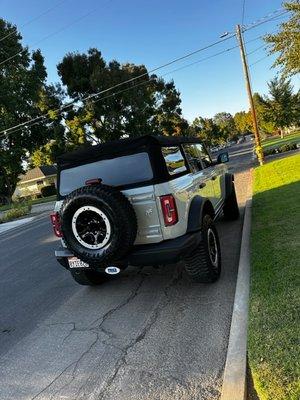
(150, 200)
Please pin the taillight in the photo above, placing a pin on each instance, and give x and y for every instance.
(169, 209)
(95, 181)
(55, 219)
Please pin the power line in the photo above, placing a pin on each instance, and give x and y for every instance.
(54, 33)
(255, 50)
(37, 120)
(33, 19)
(265, 19)
(92, 96)
(167, 73)
(145, 82)
(121, 83)
(259, 60)
(64, 107)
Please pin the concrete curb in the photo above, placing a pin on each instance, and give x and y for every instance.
(39, 208)
(234, 379)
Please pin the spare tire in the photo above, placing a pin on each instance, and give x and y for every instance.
(99, 224)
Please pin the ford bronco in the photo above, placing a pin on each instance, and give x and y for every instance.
(150, 200)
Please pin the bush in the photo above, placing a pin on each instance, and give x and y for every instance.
(281, 149)
(15, 212)
(48, 191)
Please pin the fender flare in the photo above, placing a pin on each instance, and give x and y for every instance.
(197, 207)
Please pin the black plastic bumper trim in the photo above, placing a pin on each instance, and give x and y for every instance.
(166, 252)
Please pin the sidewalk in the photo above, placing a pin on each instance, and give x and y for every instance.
(14, 224)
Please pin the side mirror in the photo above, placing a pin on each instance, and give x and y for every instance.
(223, 158)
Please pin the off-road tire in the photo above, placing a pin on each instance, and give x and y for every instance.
(89, 278)
(231, 208)
(118, 211)
(198, 265)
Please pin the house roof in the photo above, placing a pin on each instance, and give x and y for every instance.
(38, 173)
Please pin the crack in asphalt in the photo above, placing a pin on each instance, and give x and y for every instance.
(75, 363)
(132, 295)
(152, 319)
(76, 366)
(163, 302)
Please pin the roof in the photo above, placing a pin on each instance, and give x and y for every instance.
(120, 147)
(38, 173)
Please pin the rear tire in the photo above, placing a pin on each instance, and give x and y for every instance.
(204, 264)
(89, 278)
(231, 208)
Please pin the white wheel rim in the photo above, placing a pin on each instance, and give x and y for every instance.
(92, 233)
(212, 247)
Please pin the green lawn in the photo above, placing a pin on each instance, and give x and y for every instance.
(36, 201)
(274, 142)
(15, 213)
(5, 208)
(274, 319)
(44, 200)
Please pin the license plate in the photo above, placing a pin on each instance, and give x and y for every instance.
(74, 262)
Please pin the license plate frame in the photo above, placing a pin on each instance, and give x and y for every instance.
(76, 263)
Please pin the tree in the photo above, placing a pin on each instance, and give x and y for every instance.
(226, 124)
(23, 94)
(147, 105)
(47, 154)
(243, 122)
(266, 126)
(206, 130)
(287, 41)
(281, 106)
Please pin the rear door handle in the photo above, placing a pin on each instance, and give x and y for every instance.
(214, 178)
(202, 185)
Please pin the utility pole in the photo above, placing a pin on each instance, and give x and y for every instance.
(258, 148)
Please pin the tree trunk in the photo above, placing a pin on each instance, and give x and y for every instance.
(281, 133)
(8, 185)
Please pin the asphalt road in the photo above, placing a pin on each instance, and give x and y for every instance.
(150, 334)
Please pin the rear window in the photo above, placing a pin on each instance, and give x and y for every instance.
(119, 171)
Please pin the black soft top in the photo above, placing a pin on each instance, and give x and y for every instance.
(119, 148)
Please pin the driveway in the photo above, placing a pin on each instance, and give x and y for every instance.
(149, 334)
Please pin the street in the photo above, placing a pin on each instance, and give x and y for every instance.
(149, 334)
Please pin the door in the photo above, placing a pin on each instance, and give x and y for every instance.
(203, 184)
(212, 173)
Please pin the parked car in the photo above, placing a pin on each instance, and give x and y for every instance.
(143, 201)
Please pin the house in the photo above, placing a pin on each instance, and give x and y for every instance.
(31, 183)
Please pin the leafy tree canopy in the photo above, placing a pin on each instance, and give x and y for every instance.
(24, 94)
(147, 105)
(226, 124)
(286, 43)
(243, 122)
(281, 107)
(206, 130)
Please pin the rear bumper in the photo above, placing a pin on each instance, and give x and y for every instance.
(166, 252)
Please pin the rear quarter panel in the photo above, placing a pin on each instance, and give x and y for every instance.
(183, 191)
(145, 206)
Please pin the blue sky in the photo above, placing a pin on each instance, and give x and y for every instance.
(152, 33)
